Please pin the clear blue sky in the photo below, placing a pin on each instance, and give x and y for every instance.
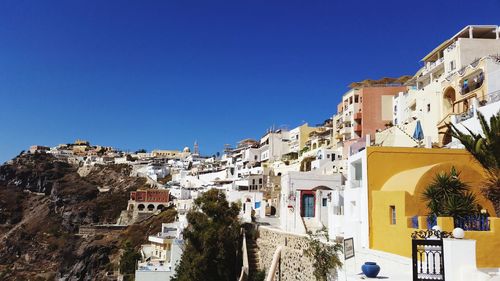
(161, 74)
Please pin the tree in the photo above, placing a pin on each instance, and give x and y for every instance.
(212, 240)
(485, 148)
(128, 261)
(448, 196)
(142, 150)
(324, 254)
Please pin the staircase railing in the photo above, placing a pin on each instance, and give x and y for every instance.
(245, 266)
(274, 264)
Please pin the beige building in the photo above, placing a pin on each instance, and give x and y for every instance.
(169, 154)
(435, 91)
(299, 136)
(474, 86)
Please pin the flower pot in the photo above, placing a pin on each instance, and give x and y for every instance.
(370, 269)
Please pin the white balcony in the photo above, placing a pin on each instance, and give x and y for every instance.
(431, 66)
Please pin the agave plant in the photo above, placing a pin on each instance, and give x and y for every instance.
(485, 148)
(448, 196)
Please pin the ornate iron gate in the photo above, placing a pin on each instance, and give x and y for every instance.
(427, 254)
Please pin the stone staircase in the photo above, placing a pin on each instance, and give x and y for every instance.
(253, 258)
(252, 250)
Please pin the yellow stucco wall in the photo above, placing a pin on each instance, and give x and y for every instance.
(487, 245)
(304, 132)
(397, 177)
(385, 236)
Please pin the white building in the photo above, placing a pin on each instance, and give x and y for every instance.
(273, 145)
(328, 161)
(306, 200)
(250, 201)
(160, 257)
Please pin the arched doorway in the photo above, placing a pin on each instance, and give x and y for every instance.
(151, 207)
(160, 207)
(141, 207)
(449, 98)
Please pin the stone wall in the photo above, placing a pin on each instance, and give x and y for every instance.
(294, 265)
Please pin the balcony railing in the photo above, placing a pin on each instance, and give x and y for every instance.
(431, 65)
(492, 97)
(464, 116)
(474, 223)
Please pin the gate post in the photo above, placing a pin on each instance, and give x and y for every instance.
(414, 262)
(460, 260)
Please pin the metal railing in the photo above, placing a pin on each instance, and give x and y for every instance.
(464, 116)
(493, 97)
(473, 223)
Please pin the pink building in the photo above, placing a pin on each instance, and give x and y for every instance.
(364, 110)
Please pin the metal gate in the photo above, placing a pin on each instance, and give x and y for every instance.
(428, 255)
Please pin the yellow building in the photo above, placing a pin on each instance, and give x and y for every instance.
(168, 154)
(299, 136)
(396, 178)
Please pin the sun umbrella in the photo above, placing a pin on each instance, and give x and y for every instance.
(419, 133)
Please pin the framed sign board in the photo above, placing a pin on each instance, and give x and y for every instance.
(348, 248)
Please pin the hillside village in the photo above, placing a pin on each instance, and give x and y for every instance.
(360, 174)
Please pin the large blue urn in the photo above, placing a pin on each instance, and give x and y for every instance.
(370, 269)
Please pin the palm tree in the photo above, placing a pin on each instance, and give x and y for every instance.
(485, 148)
(448, 196)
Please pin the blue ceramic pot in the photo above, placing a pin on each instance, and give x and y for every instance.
(370, 269)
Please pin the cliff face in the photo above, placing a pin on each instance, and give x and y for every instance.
(43, 201)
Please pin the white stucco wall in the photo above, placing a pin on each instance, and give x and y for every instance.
(356, 222)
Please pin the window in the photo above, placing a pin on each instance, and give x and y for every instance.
(392, 210)
(328, 156)
(356, 98)
(260, 181)
(428, 107)
(324, 202)
(452, 65)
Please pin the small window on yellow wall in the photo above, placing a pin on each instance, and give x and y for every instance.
(392, 213)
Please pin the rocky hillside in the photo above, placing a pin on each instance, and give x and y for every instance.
(43, 201)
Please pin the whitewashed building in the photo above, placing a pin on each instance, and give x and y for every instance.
(306, 200)
(160, 257)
